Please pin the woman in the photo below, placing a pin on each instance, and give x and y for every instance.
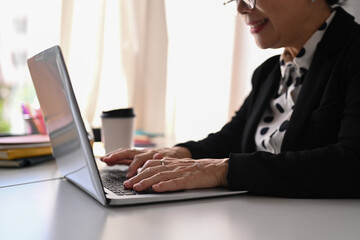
(297, 133)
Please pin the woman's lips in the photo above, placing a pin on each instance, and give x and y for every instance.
(257, 26)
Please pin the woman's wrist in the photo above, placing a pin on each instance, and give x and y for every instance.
(223, 167)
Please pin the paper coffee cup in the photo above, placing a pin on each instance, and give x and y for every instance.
(117, 129)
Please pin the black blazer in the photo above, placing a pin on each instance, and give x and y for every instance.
(320, 154)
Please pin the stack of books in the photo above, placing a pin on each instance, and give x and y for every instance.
(145, 139)
(24, 150)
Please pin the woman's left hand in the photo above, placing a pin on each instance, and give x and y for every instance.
(170, 174)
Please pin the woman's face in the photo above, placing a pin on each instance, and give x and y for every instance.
(284, 23)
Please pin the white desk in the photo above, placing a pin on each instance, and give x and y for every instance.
(58, 210)
(39, 172)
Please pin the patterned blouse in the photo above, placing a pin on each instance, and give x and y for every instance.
(272, 127)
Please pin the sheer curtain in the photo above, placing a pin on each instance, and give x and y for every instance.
(201, 39)
(353, 7)
(116, 54)
(212, 56)
(185, 66)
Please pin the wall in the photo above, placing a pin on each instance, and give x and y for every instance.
(353, 6)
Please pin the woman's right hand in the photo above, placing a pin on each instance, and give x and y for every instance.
(136, 158)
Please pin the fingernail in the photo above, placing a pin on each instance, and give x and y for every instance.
(126, 184)
(137, 187)
(158, 156)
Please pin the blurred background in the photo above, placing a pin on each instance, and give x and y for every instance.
(184, 66)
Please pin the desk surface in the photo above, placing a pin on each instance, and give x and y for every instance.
(58, 210)
(36, 173)
(39, 172)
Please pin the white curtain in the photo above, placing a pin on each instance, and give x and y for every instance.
(116, 55)
(353, 7)
(201, 39)
(185, 66)
(211, 59)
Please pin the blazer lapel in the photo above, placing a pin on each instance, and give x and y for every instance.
(308, 100)
(317, 77)
(264, 95)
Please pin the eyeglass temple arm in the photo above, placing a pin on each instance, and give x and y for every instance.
(228, 2)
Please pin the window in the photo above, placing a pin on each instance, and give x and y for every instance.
(180, 64)
(25, 28)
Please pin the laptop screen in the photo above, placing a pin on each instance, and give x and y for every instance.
(69, 140)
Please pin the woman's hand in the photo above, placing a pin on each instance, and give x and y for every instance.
(170, 174)
(136, 158)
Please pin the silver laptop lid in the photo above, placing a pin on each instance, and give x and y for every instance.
(69, 139)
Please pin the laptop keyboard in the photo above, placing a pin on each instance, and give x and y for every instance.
(113, 180)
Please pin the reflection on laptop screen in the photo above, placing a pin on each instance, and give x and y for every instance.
(67, 133)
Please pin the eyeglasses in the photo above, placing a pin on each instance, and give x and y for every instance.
(248, 3)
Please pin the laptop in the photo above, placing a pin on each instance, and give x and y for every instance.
(70, 142)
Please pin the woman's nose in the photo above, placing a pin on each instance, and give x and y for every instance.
(242, 8)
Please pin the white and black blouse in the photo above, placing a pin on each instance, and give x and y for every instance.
(272, 127)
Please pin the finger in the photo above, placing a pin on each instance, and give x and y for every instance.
(172, 185)
(140, 176)
(121, 162)
(166, 161)
(177, 162)
(147, 173)
(138, 162)
(153, 175)
(119, 153)
(143, 183)
(187, 180)
(121, 156)
(151, 163)
(158, 156)
(187, 176)
(115, 152)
